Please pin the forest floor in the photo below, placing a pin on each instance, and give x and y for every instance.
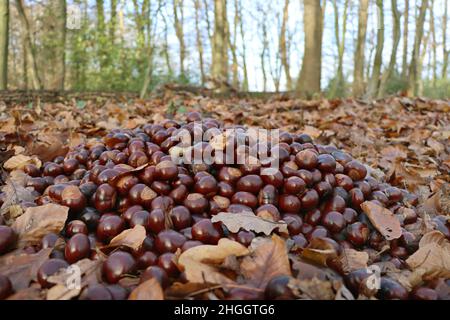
(404, 141)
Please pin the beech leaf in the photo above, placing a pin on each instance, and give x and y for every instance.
(351, 260)
(248, 221)
(37, 222)
(22, 268)
(383, 220)
(200, 264)
(148, 290)
(319, 251)
(131, 238)
(19, 161)
(432, 259)
(268, 259)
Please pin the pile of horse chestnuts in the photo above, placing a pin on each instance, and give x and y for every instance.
(130, 177)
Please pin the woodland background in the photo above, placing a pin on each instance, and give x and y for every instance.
(328, 48)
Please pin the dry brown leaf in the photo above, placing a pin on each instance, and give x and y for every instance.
(22, 268)
(268, 259)
(383, 220)
(180, 290)
(351, 259)
(432, 260)
(19, 161)
(85, 271)
(313, 289)
(48, 146)
(319, 251)
(148, 290)
(131, 238)
(248, 221)
(37, 222)
(200, 264)
(34, 292)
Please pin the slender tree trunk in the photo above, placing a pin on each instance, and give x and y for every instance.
(445, 52)
(4, 42)
(165, 49)
(374, 82)
(405, 41)
(396, 32)
(413, 76)
(113, 23)
(101, 27)
(233, 47)
(308, 82)
(358, 72)
(220, 48)
(433, 44)
(420, 64)
(209, 26)
(58, 69)
(244, 48)
(262, 56)
(283, 46)
(199, 41)
(178, 14)
(338, 82)
(32, 71)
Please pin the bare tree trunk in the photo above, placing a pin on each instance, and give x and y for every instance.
(308, 82)
(433, 43)
(30, 52)
(58, 68)
(165, 49)
(178, 14)
(101, 27)
(199, 41)
(445, 52)
(113, 23)
(283, 46)
(405, 41)
(262, 55)
(376, 71)
(338, 82)
(413, 76)
(208, 22)
(233, 48)
(4, 42)
(220, 48)
(420, 64)
(244, 47)
(396, 31)
(358, 73)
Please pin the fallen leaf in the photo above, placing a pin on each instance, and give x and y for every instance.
(19, 161)
(432, 259)
(131, 238)
(351, 260)
(39, 221)
(22, 268)
(313, 289)
(148, 290)
(200, 263)
(268, 259)
(383, 220)
(250, 222)
(70, 281)
(34, 292)
(319, 251)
